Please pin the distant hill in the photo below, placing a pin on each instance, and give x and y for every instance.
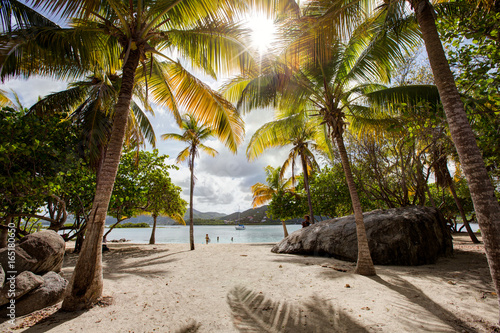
(254, 216)
(163, 220)
(205, 216)
(250, 216)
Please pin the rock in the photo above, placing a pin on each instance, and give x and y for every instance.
(24, 283)
(40, 252)
(49, 293)
(400, 236)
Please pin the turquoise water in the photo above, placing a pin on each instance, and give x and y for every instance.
(180, 234)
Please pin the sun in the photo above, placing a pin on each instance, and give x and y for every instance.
(263, 32)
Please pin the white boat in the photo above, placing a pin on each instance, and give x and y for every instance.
(240, 227)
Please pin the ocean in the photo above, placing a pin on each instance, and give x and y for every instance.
(226, 234)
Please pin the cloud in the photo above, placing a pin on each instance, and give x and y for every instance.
(29, 90)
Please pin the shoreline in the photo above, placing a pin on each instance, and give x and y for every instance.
(167, 288)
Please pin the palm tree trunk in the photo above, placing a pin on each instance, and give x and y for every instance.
(364, 266)
(462, 213)
(482, 192)
(306, 186)
(85, 287)
(191, 224)
(284, 228)
(152, 238)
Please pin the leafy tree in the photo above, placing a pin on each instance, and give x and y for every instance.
(470, 36)
(37, 155)
(330, 194)
(163, 198)
(194, 134)
(143, 185)
(286, 205)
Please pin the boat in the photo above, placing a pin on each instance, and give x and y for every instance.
(240, 227)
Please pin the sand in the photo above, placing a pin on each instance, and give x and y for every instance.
(233, 287)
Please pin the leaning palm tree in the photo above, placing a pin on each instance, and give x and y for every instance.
(194, 134)
(276, 183)
(294, 130)
(131, 35)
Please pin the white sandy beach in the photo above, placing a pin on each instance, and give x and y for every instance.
(167, 288)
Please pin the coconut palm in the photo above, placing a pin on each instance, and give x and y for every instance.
(293, 130)
(325, 81)
(130, 36)
(193, 134)
(263, 193)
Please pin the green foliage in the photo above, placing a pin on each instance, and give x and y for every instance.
(287, 205)
(37, 159)
(143, 185)
(471, 37)
(446, 203)
(329, 192)
(133, 225)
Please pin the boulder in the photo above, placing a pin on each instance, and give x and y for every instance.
(40, 252)
(49, 293)
(401, 236)
(24, 283)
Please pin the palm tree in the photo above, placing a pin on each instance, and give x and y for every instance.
(293, 130)
(322, 88)
(263, 193)
(127, 35)
(194, 134)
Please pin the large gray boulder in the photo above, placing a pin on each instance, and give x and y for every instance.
(40, 252)
(401, 236)
(49, 293)
(22, 284)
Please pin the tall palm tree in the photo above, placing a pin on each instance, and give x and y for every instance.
(263, 193)
(131, 35)
(293, 130)
(194, 134)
